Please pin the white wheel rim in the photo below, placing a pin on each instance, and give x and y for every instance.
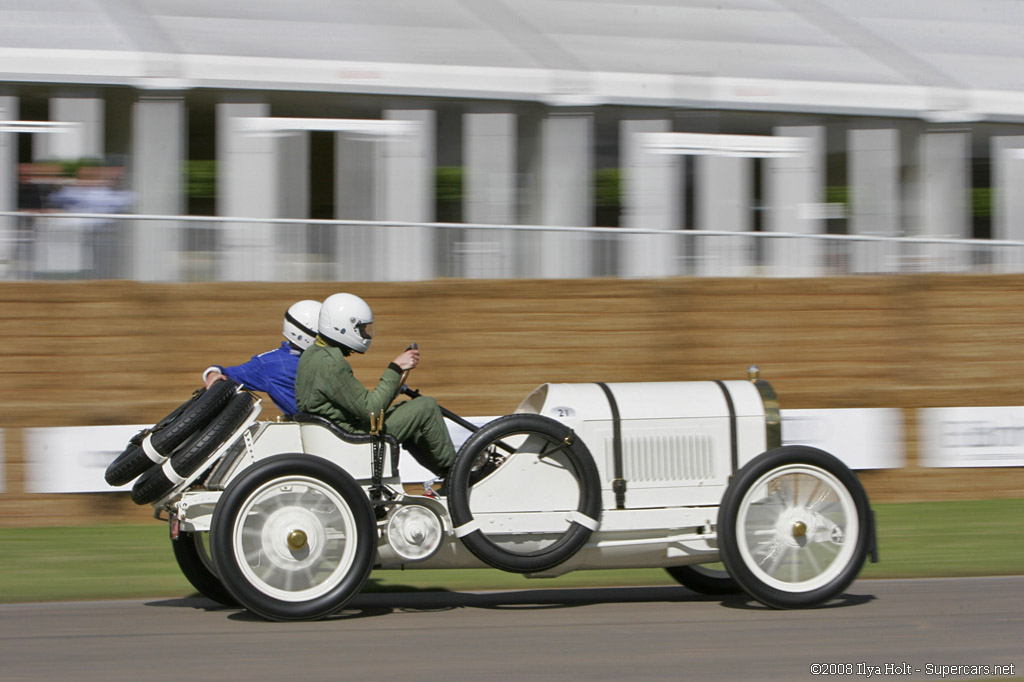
(797, 528)
(322, 530)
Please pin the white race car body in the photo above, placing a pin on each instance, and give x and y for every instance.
(582, 476)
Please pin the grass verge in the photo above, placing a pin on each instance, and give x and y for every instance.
(119, 562)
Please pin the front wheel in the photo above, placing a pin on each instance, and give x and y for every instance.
(794, 527)
(293, 538)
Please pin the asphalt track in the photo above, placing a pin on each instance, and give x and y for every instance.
(647, 633)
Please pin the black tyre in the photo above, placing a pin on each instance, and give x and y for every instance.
(168, 433)
(158, 481)
(794, 527)
(535, 454)
(710, 579)
(192, 552)
(132, 462)
(293, 538)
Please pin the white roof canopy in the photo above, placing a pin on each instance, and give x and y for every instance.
(946, 60)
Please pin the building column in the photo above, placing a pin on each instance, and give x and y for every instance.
(651, 200)
(357, 256)
(1008, 205)
(407, 187)
(489, 194)
(723, 203)
(247, 186)
(293, 171)
(84, 141)
(944, 159)
(873, 159)
(158, 157)
(566, 194)
(795, 187)
(945, 181)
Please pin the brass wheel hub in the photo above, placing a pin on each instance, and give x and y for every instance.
(297, 539)
(799, 529)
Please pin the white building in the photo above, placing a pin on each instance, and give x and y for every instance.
(882, 118)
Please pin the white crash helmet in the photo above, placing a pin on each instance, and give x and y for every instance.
(347, 320)
(300, 323)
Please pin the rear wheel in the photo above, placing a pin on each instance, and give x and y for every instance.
(293, 538)
(192, 551)
(711, 579)
(794, 527)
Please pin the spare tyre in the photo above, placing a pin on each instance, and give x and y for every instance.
(154, 445)
(161, 479)
(542, 454)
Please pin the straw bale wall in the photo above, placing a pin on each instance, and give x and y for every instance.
(88, 353)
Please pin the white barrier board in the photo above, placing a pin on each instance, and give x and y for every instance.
(863, 438)
(971, 436)
(73, 459)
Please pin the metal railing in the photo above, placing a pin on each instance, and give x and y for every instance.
(45, 246)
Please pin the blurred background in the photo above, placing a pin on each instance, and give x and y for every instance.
(832, 190)
(738, 138)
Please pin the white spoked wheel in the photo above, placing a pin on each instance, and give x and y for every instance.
(793, 523)
(794, 527)
(290, 551)
(294, 538)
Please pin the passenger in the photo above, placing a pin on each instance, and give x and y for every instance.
(326, 386)
(273, 372)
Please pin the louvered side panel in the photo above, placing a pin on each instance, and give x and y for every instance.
(665, 458)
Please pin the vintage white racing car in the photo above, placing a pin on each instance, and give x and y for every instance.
(288, 518)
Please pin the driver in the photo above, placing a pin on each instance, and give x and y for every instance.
(326, 386)
(273, 372)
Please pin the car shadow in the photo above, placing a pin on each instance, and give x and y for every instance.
(194, 601)
(742, 601)
(373, 604)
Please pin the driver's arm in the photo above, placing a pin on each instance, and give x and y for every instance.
(352, 398)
